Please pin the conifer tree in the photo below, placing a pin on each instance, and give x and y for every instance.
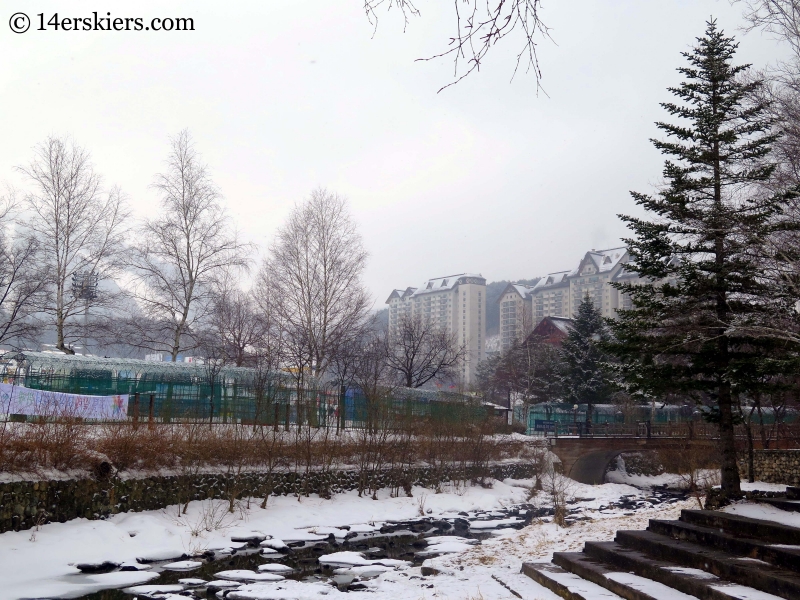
(690, 330)
(584, 372)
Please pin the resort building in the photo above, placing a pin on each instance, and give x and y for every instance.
(456, 304)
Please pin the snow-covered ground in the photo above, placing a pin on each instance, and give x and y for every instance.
(42, 563)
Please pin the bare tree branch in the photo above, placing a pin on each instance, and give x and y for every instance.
(420, 351)
(480, 26)
(180, 255)
(79, 227)
(313, 278)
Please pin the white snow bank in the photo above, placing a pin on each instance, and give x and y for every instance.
(286, 590)
(364, 572)
(44, 566)
(275, 568)
(183, 565)
(446, 544)
(155, 589)
(245, 575)
(353, 559)
(494, 524)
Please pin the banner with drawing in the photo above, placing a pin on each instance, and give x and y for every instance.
(16, 400)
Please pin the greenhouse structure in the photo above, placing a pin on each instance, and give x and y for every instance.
(181, 391)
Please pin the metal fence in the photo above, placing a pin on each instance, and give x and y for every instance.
(237, 400)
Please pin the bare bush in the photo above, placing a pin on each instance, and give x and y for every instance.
(697, 466)
(559, 490)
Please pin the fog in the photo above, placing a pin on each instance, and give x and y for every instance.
(491, 175)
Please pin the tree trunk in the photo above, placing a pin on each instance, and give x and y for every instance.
(727, 441)
(589, 408)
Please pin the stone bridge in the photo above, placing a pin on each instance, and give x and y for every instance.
(585, 459)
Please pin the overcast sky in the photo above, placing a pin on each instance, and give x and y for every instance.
(284, 96)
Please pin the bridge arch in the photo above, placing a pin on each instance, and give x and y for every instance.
(585, 459)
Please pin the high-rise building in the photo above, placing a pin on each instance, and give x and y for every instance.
(559, 294)
(456, 304)
(550, 297)
(516, 315)
(593, 276)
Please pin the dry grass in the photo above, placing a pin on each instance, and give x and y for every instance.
(462, 453)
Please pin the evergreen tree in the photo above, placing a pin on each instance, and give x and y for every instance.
(692, 327)
(585, 373)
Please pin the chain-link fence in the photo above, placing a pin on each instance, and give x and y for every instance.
(242, 398)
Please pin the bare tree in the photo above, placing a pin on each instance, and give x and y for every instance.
(181, 253)
(236, 324)
(371, 371)
(780, 253)
(314, 280)
(780, 18)
(215, 359)
(79, 226)
(23, 280)
(479, 28)
(420, 351)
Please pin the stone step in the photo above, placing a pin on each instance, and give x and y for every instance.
(760, 529)
(790, 505)
(569, 586)
(693, 582)
(745, 571)
(520, 586)
(624, 585)
(792, 493)
(787, 558)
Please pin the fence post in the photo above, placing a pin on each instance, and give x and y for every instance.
(340, 424)
(150, 411)
(136, 410)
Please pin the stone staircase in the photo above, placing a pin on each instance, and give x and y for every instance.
(705, 554)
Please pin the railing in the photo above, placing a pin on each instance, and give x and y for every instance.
(637, 430)
(785, 435)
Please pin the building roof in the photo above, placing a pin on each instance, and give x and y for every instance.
(626, 273)
(520, 288)
(438, 284)
(401, 293)
(58, 363)
(563, 324)
(551, 280)
(603, 260)
(551, 330)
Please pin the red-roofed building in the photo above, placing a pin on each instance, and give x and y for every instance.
(552, 330)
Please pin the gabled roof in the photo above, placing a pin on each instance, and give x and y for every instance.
(520, 288)
(409, 291)
(562, 323)
(551, 329)
(603, 260)
(628, 271)
(438, 284)
(625, 272)
(551, 280)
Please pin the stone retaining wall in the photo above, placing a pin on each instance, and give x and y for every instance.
(773, 466)
(25, 504)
